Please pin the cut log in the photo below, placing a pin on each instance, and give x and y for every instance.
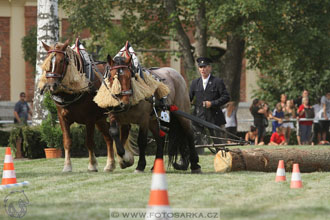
(266, 160)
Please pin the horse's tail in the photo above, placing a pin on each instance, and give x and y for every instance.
(177, 144)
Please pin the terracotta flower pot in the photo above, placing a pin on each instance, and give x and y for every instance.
(53, 153)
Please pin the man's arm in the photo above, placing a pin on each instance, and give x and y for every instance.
(16, 110)
(17, 117)
(191, 90)
(324, 111)
(224, 95)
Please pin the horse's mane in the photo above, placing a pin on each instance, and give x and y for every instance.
(74, 81)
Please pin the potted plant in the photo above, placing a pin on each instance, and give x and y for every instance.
(50, 130)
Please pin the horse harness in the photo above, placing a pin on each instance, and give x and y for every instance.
(70, 99)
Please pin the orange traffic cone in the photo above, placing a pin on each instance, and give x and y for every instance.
(9, 175)
(296, 178)
(159, 206)
(280, 173)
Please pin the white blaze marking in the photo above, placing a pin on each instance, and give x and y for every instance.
(53, 63)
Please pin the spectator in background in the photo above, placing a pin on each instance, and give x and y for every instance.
(289, 113)
(22, 110)
(278, 116)
(231, 118)
(325, 107)
(297, 102)
(260, 112)
(278, 137)
(283, 101)
(252, 136)
(305, 127)
(316, 139)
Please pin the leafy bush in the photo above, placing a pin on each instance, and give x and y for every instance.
(4, 136)
(32, 145)
(78, 147)
(29, 45)
(51, 132)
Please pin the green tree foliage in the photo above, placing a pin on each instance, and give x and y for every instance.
(29, 45)
(107, 35)
(287, 41)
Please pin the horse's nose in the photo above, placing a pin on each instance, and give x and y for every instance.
(53, 87)
(122, 105)
(125, 100)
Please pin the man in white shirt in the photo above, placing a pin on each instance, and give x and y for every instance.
(210, 94)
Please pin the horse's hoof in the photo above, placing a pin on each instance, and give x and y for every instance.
(92, 170)
(124, 164)
(196, 171)
(138, 171)
(110, 168)
(128, 158)
(67, 169)
(180, 166)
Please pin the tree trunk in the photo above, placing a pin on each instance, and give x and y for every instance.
(266, 160)
(182, 38)
(48, 32)
(201, 30)
(233, 65)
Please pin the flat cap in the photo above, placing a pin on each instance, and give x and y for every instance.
(203, 61)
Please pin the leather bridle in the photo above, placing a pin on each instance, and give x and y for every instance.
(50, 74)
(119, 73)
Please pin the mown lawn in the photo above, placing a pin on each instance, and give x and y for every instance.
(239, 195)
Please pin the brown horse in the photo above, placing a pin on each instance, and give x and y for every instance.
(73, 94)
(142, 113)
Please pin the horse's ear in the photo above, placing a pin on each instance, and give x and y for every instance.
(128, 59)
(47, 48)
(66, 43)
(109, 59)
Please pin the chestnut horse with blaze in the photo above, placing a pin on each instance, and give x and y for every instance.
(73, 95)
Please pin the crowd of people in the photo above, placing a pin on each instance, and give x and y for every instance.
(311, 122)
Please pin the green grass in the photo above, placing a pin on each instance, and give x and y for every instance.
(239, 195)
